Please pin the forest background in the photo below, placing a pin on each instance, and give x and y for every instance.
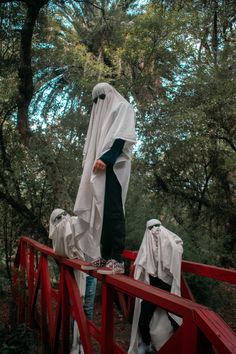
(175, 61)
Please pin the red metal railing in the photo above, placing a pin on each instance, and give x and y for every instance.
(51, 307)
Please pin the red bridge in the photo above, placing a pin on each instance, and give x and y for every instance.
(50, 305)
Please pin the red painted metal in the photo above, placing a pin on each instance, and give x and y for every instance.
(173, 345)
(58, 315)
(217, 273)
(216, 330)
(107, 318)
(30, 282)
(65, 313)
(185, 289)
(209, 271)
(202, 330)
(79, 315)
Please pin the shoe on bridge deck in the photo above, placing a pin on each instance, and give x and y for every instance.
(112, 267)
(97, 263)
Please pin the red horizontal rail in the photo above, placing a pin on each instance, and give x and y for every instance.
(217, 273)
(204, 270)
(216, 330)
(200, 326)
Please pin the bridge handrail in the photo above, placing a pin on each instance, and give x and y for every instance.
(187, 340)
(204, 270)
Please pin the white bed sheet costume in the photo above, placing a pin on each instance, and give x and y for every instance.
(161, 257)
(111, 118)
(62, 231)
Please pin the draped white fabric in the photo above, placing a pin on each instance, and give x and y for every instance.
(163, 260)
(62, 231)
(111, 118)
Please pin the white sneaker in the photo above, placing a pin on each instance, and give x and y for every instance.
(144, 348)
(97, 263)
(81, 349)
(149, 349)
(112, 267)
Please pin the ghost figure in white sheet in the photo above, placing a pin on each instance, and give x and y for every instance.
(160, 255)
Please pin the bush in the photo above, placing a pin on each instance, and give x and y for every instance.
(18, 340)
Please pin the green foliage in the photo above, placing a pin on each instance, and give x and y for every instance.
(4, 281)
(14, 339)
(205, 291)
(139, 207)
(20, 340)
(174, 61)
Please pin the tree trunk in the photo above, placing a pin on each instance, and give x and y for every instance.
(26, 88)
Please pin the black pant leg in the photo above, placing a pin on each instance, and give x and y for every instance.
(158, 283)
(147, 310)
(106, 239)
(113, 231)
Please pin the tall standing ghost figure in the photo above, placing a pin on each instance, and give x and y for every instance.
(100, 201)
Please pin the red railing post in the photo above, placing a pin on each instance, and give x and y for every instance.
(45, 300)
(107, 319)
(30, 285)
(79, 315)
(185, 290)
(57, 321)
(46, 293)
(65, 314)
(188, 336)
(21, 298)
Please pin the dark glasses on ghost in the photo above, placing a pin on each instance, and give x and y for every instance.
(157, 225)
(102, 96)
(59, 217)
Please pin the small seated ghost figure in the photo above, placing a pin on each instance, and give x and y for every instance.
(158, 263)
(62, 231)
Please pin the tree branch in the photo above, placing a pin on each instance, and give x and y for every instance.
(25, 212)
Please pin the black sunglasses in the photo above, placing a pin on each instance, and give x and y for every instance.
(157, 225)
(59, 217)
(102, 96)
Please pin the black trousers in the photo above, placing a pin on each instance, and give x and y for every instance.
(113, 229)
(147, 310)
